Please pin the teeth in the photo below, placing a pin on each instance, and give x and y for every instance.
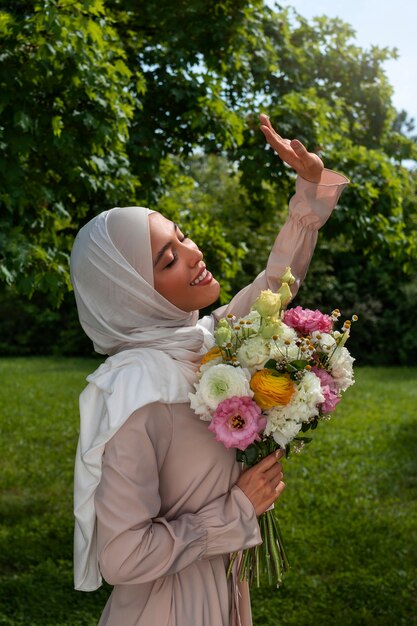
(200, 278)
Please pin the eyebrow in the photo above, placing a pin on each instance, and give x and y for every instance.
(164, 248)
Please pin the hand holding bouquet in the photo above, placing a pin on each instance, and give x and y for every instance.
(272, 375)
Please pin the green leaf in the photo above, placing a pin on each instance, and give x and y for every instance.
(271, 365)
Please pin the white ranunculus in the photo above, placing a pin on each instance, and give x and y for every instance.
(206, 366)
(216, 384)
(254, 352)
(341, 368)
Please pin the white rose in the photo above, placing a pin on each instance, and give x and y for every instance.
(216, 384)
(254, 353)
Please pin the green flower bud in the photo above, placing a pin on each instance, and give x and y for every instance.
(285, 293)
(222, 335)
(287, 277)
(271, 329)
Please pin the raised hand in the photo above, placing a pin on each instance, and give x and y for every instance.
(307, 164)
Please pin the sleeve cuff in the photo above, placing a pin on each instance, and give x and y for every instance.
(231, 524)
(329, 178)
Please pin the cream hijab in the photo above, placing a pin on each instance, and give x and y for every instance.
(154, 349)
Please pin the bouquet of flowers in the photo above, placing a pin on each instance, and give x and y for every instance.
(273, 375)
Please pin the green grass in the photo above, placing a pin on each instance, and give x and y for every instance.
(349, 513)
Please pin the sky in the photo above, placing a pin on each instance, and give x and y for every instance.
(385, 23)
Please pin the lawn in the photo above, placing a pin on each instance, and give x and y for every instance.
(349, 513)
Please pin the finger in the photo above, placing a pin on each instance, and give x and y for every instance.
(298, 147)
(275, 480)
(281, 146)
(269, 461)
(270, 133)
(276, 494)
(265, 120)
(279, 489)
(273, 472)
(306, 158)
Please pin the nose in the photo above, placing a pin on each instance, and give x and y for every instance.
(194, 254)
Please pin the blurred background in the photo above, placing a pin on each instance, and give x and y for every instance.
(109, 103)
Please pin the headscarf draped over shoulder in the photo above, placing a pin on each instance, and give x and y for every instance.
(154, 349)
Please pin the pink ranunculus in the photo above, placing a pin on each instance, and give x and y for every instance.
(328, 389)
(237, 421)
(306, 321)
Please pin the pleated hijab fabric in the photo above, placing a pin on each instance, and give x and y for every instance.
(154, 350)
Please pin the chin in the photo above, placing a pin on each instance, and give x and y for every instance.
(204, 300)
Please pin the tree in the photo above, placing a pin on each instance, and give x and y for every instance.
(66, 100)
(131, 101)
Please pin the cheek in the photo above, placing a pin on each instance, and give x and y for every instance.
(170, 282)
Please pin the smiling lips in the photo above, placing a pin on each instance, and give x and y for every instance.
(203, 278)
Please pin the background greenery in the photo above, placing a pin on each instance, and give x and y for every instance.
(153, 102)
(349, 513)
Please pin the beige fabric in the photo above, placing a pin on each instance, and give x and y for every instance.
(309, 209)
(166, 517)
(168, 510)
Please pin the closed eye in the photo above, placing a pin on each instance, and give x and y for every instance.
(174, 260)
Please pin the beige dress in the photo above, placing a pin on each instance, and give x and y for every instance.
(164, 465)
(168, 510)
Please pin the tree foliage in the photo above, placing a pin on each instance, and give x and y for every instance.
(117, 102)
(66, 100)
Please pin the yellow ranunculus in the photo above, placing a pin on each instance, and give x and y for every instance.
(214, 353)
(270, 389)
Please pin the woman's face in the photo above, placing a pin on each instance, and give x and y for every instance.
(180, 274)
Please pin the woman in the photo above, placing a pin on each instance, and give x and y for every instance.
(159, 504)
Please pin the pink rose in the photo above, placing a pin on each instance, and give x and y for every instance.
(237, 421)
(328, 389)
(305, 321)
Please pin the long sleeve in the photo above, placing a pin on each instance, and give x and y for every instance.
(309, 209)
(136, 543)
